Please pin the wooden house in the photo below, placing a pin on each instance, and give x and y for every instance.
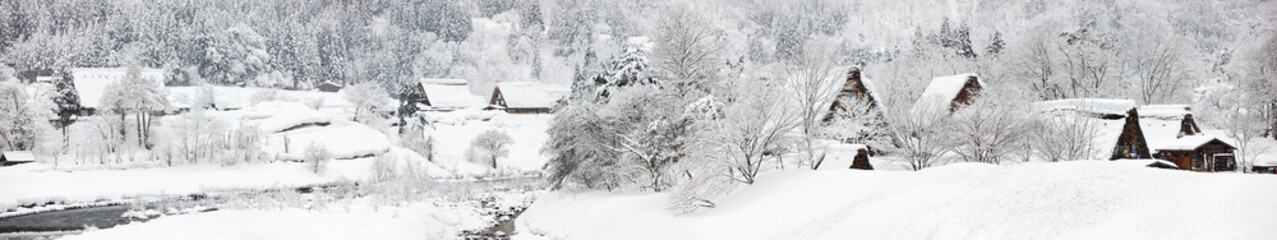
(329, 87)
(854, 91)
(526, 97)
(1131, 142)
(445, 94)
(9, 158)
(1200, 153)
(949, 93)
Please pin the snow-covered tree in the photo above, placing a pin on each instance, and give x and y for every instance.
(316, 157)
(919, 137)
(990, 130)
(234, 56)
(756, 127)
(367, 97)
(1064, 138)
(489, 146)
(812, 84)
(688, 49)
(22, 122)
(137, 96)
(67, 101)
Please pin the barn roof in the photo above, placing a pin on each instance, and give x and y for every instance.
(450, 96)
(91, 83)
(444, 81)
(531, 94)
(942, 91)
(1091, 107)
(1156, 163)
(19, 156)
(1167, 112)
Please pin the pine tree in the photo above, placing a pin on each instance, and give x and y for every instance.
(995, 48)
(67, 101)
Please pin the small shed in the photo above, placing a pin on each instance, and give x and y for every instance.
(1265, 166)
(1199, 153)
(1152, 163)
(9, 158)
(329, 87)
(527, 97)
(949, 92)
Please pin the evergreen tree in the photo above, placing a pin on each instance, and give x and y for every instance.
(67, 101)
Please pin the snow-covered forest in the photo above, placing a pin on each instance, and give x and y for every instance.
(693, 113)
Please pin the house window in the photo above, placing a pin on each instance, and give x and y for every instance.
(1197, 162)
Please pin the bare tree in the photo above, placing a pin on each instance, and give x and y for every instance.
(1064, 138)
(490, 145)
(813, 85)
(990, 129)
(317, 157)
(918, 136)
(1159, 70)
(367, 97)
(688, 49)
(755, 126)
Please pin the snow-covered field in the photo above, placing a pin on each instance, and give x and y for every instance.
(1069, 200)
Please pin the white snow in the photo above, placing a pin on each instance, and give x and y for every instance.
(1088, 106)
(450, 97)
(527, 131)
(344, 139)
(90, 83)
(942, 91)
(273, 117)
(1068, 200)
(531, 95)
(1167, 112)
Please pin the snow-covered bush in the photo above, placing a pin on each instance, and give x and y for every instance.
(265, 95)
(315, 103)
(489, 146)
(317, 157)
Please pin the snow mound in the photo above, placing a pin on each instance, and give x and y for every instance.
(344, 139)
(1069, 200)
(273, 117)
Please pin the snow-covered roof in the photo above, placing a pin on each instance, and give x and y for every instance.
(1095, 107)
(1167, 112)
(19, 156)
(1185, 143)
(942, 90)
(443, 81)
(1145, 163)
(531, 95)
(450, 96)
(91, 83)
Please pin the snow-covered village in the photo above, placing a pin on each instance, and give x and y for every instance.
(638, 119)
